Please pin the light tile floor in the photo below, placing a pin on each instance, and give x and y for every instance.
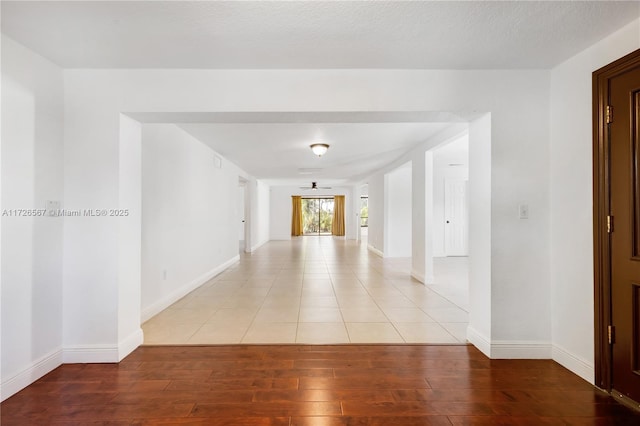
(316, 290)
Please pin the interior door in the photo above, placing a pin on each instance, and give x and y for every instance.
(241, 216)
(624, 143)
(456, 220)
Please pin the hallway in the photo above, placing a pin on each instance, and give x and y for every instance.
(314, 290)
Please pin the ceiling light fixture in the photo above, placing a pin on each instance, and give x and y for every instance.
(319, 149)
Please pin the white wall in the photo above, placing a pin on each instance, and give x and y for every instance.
(519, 105)
(422, 230)
(260, 214)
(571, 199)
(519, 102)
(421, 217)
(281, 209)
(375, 237)
(129, 248)
(481, 246)
(32, 148)
(481, 263)
(189, 215)
(523, 166)
(398, 213)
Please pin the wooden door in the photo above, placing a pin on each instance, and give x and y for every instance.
(618, 226)
(624, 107)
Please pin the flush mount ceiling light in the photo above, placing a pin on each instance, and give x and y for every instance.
(319, 149)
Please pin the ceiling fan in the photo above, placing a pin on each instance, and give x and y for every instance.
(314, 187)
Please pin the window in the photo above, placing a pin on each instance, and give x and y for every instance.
(317, 216)
(364, 211)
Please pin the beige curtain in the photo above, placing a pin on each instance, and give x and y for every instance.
(337, 227)
(296, 216)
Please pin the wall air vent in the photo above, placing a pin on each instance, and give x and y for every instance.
(304, 171)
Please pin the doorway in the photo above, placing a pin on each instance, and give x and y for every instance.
(616, 110)
(317, 216)
(241, 211)
(243, 215)
(364, 216)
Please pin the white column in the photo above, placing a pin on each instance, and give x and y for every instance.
(422, 218)
(129, 217)
(479, 331)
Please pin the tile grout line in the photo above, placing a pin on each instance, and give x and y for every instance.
(344, 323)
(380, 276)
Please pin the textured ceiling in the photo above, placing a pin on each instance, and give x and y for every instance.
(312, 34)
(278, 151)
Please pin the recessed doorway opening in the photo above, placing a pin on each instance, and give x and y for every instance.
(364, 215)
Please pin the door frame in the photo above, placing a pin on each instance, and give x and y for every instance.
(244, 183)
(601, 208)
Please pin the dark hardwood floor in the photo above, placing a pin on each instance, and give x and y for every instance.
(314, 385)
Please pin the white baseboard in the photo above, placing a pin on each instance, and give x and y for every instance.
(430, 280)
(418, 276)
(374, 250)
(162, 304)
(257, 246)
(479, 340)
(130, 343)
(69, 355)
(573, 363)
(503, 349)
(24, 378)
(520, 350)
(84, 354)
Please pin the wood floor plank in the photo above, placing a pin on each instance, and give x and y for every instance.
(371, 395)
(371, 421)
(280, 373)
(233, 384)
(370, 382)
(277, 385)
(332, 363)
(84, 413)
(264, 409)
(214, 421)
(506, 421)
(180, 397)
(416, 408)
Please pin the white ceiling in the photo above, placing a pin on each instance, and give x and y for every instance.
(455, 152)
(308, 35)
(312, 34)
(278, 151)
